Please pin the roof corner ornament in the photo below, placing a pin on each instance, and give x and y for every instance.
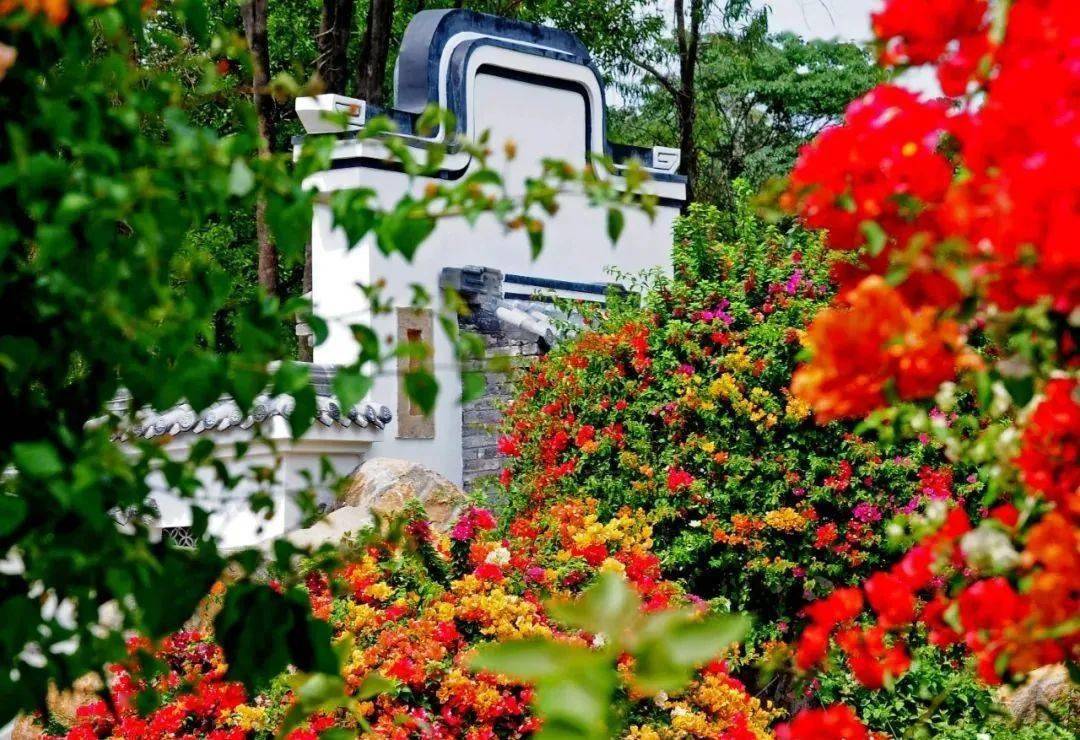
(666, 159)
(323, 114)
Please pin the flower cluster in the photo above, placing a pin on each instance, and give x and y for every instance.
(947, 585)
(950, 204)
(414, 611)
(872, 344)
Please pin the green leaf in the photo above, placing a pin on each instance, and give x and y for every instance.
(403, 229)
(578, 705)
(262, 632)
(616, 221)
(536, 241)
(1022, 389)
(12, 513)
(36, 459)
(354, 211)
(876, 237)
(698, 642)
(350, 387)
(607, 607)
(318, 692)
(672, 645)
(532, 659)
(303, 414)
(473, 384)
(189, 573)
(375, 684)
(421, 387)
(368, 341)
(290, 223)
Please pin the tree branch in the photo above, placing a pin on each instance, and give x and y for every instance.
(660, 77)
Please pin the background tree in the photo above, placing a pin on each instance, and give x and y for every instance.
(254, 13)
(375, 51)
(335, 32)
(742, 101)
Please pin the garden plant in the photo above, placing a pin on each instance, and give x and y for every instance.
(847, 439)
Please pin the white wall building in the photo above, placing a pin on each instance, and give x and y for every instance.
(533, 85)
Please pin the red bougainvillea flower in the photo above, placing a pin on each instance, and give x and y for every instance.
(1019, 204)
(839, 606)
(891, 598)
(509, 446)
(875, 340)
(471, 521)
(870, 659)
(882, 165)
(1050, 447)
(951, 33)
(677, 479)
(812, 647)
(837, 722)
(990, 604)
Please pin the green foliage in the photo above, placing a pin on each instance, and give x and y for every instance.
(575, 685)
(262, 633)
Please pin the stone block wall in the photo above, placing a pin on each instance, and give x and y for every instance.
(506, 352)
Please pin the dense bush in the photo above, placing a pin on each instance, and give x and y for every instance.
(681, 407)
(412, 611)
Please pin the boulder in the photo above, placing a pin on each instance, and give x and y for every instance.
(385, 486)
(1043, 688)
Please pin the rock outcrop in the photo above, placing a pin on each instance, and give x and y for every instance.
(385, 486)
(1044, 687)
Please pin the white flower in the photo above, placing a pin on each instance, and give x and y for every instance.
(499, 556)
(661, 699)
(12, 564)
(989, 550)
(599, 640)
(695, 523)
(946, 396)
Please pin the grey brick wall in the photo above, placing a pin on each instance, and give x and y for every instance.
(480, 418)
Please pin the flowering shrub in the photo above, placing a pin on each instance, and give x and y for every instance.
(413, 612)
(682, 408)
(193, 696)
(961, 226)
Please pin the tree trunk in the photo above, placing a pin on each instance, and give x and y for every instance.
(375, 51)
(254, 14)
(688, 43)
(335, 29)
(687, 114)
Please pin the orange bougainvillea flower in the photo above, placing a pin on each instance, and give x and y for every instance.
(870, 342)
(56, 11)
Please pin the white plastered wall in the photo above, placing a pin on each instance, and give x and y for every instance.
(542, 121)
